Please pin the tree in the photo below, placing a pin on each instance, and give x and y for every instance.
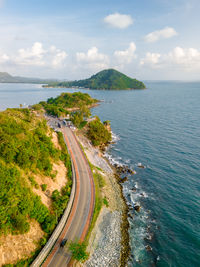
(78, 251)
(77, 118)
(97, 133)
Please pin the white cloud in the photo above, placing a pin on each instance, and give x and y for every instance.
(187, 59)
(92, 59)
(31, 56)
(38, 56)
(127, 55)
(34, 57)
(151, 59)
(4, 58)
(117, 20)
(59, 58)
(161, 34)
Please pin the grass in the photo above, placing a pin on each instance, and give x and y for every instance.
(105, 201)
(33, 182)
(98, 183)
(82, 125)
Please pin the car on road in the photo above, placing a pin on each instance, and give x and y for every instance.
(63, 243)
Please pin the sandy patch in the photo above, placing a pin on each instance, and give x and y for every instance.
(55, 140)
(16, 247)
(52, 184)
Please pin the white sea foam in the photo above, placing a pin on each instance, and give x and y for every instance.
(115, 137)
(144, 194)
(113, 160)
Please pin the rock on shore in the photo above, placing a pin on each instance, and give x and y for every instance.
(107, 241)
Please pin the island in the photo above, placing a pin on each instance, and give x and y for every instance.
(109, 79)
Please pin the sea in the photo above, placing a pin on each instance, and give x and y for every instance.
(158, 129)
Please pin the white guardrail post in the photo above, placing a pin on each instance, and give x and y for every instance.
(50, 243)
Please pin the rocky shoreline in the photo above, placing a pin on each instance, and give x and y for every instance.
(109, 243)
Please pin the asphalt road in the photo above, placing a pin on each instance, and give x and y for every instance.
(81, 213)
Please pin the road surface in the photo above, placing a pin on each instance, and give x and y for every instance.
(79, 219)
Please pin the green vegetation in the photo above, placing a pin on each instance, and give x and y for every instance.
(64, 156)
(18, 203)
(24, 141)
(105, 201)
(107, 79)
(71, 100)
(97, 133)
(25, 150)
(61, 105)
(33, 182)
(44, 187)
(78, 251)
(98, 183)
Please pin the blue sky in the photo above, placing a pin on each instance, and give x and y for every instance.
(146, 39)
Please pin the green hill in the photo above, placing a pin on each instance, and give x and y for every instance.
(107, 79)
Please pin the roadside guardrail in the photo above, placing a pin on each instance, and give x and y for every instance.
(55, 235)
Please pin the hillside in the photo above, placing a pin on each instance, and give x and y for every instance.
(107, 79)
(7, 78)
(35, 183)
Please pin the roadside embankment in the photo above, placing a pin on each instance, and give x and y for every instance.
(108, 242)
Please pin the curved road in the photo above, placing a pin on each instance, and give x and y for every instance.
(79, 219)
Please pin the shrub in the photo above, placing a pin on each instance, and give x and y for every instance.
(44, 187)
(97, 133)
(105, 202)
(78, 251)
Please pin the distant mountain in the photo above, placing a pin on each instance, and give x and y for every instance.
(7, 78)
(107, 79)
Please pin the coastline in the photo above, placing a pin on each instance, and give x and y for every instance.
(109, 239)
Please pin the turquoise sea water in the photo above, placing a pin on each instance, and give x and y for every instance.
(159, 127)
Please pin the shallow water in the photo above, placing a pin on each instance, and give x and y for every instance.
(159, 127)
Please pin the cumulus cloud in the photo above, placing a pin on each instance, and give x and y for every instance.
(126, 56)
(151, 59)
(38, 56)
(92, 59)
(161, 34)
(187, 58)
(32, 56)
(4, 58)
(59, 58)
(117, 20)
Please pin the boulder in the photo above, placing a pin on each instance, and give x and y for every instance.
(137, 208)
(148, 248)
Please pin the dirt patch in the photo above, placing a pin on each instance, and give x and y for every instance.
(55, 140)
(52, 184)
(16, 247)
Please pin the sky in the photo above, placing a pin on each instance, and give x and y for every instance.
(62, 39)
